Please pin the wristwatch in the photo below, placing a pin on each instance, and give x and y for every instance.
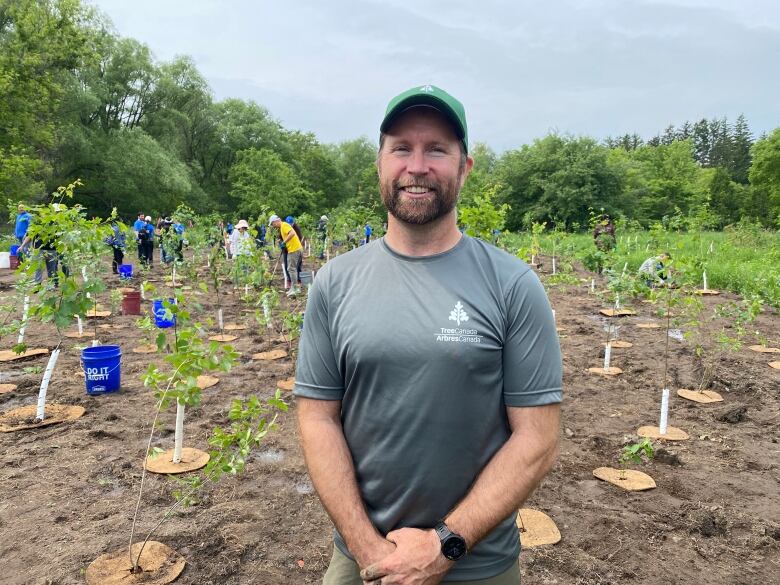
(453, 546)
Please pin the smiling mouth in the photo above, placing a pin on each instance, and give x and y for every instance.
(415, 191)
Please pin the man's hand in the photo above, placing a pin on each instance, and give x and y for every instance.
(372, 552)
(417, 560)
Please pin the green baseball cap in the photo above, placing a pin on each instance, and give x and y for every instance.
(435, 97)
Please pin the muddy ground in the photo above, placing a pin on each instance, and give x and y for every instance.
(67, 491)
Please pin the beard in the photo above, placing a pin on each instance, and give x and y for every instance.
(420, 211)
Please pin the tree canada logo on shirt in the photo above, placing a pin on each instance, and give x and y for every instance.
(458, 314)
(458, 334)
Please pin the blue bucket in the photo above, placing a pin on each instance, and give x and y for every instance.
(125, 271)
(102, 368)
(159, 314)
(15, 250)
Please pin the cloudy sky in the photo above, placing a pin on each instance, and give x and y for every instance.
(522, 68)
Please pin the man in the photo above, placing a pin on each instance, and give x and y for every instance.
(139, 224)
(299, 266)
(20, 230)
(322, 230)
(429, 376)
(146, 242)
(367, 231)
(22, 223)
(292, 244)
(653, 271)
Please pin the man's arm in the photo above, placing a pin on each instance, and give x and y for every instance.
(333, 474)
(512, 474)
(289, 235)
(501, 488)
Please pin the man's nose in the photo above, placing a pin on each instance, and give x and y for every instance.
(417, 163)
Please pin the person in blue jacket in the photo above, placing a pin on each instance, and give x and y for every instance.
(137, 226)
(368, 231)
(22, 225)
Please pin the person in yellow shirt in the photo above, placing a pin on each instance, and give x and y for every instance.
(294, 248)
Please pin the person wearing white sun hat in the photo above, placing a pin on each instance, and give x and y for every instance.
(241, 241)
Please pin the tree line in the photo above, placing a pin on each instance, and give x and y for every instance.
(77, 100)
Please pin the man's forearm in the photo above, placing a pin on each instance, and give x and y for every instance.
(511, 475)
(333, 475)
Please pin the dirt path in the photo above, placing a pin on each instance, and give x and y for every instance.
(67, 491)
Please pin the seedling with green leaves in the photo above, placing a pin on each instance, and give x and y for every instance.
(634, 453)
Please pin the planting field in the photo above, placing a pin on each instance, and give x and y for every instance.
(67, 491)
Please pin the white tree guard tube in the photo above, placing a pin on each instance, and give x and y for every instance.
(664, 422)
(220, 322)
(533, 258)
(704, 275)
(553, 264)
(625, 267)
(173, 275)
(143, 292)
(246, 290)
(25, 312)
(178, 439)
(40, 414)
(617, 300)
(80, 325)
(266, 313)
(95, 342)
(607, 356)
(592, 285)
(711, 244)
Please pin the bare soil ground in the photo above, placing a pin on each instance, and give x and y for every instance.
(67, 491)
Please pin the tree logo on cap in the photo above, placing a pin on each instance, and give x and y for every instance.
(458, 314)
(427, 88)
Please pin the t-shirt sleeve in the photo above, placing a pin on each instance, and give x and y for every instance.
(533, 369)
(317, 373)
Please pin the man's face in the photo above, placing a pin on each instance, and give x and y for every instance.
(420, 170)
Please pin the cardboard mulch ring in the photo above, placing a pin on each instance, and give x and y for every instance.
(5, 388)
(286, 385)
(127, 289)
(77, 335)
(701, 396)
(274, 354)
(628, 479)
(114, 326)
(536, 528)
(147, 348)
(223, 338)
(23, 418)
(159, 565)
(9, 356)
(618, 344)
(98, 314)
(191, 460)
(775, 365)
(648, 325)
(609, 372)
(709, 292)
(207, 382)
(617, 312)
(234, 327)
(764, 349)
(672, 433)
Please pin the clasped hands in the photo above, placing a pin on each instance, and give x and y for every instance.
(408, 556)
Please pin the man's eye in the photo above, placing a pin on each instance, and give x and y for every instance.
(400, 149)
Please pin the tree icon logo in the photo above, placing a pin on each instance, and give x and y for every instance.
(458, 314)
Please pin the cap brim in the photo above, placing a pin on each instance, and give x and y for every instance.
(424, 100)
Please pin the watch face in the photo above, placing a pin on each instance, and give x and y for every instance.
(454, 548)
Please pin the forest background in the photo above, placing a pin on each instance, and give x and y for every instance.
(77, 100)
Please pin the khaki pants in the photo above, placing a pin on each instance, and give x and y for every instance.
(344, 571)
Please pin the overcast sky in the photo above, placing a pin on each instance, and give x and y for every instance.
(522, 68)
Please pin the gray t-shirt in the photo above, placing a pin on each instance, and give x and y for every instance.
(425, 354)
